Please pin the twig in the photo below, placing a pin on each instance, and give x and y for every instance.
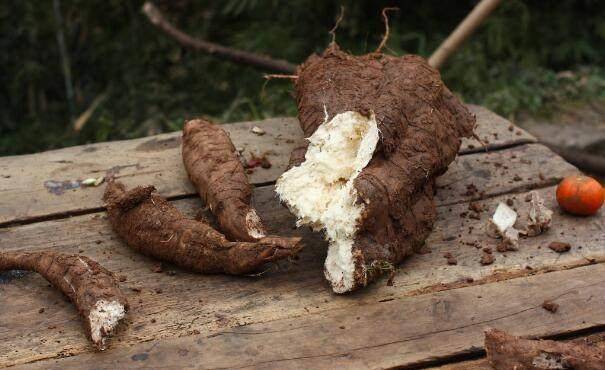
(386, 28)
(338, 20)
(65, 64)
(270, 77)
(84, 117)
(462, 32)
(483, 143)
(233, 55)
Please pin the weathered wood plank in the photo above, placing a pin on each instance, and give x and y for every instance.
(480, 175)
(156, 160)
(499, 133)
(152, 160)
(190, 302)
(401, 332)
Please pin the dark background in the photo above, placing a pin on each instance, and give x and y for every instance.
(530, 56)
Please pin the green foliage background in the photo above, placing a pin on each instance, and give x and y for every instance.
(151, 84)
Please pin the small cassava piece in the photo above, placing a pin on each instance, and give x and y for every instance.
(380, 129)
(151, 225)
(93, 289)
(506, 352)
(214, 167)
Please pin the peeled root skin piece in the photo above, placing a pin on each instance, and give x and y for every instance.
(507, 352)
(93, 289)
(420, 124)
(154, 227)
(215, 169)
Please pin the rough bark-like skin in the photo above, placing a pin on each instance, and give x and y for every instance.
(81, 279)
(213, 166)
(152, 226)
(421, 124)
(506, 352)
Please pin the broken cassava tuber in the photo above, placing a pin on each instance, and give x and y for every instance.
(151, 225)
(506, 352)
(92, 288)
(213, 166)
(379, 130)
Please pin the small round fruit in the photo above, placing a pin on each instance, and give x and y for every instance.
(580, 195)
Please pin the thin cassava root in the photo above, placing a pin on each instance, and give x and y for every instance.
(153, 226)
(93, 289)
(506, 352)
(213, 166)
(380, 129)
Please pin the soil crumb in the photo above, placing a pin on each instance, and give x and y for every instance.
(550, 306)
(487, 259)
(560, 247)
(451, 260)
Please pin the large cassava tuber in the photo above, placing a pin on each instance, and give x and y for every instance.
(213, 166)
(93, 289)
(380, 129)
(506, 352)
(151, 225)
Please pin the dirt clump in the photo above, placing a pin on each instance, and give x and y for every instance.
(559, 247)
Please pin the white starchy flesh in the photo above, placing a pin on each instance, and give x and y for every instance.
(320, 191)
(254, 225)
(504, 217)
(104, 317)
(501, 225)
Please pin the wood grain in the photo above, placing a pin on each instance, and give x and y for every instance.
(152, 160)
(480, 175)
(157, 160)
(190, 303)
(402, 332)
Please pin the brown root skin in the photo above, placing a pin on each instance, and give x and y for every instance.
(83, 280)
(213, 166)
(156, 228)
(421, 124)
(505, 352)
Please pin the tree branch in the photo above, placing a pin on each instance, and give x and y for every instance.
(236, 56)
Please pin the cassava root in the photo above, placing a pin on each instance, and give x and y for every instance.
(93, 289)
(151, 225)
(387, 198)
(506, 352)
(213, 166)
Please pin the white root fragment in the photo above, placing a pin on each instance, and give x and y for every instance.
(93, 181)
(258, 131)
(501, 225)
(320, 191)
(510, 238)
(539, 215)
(534, 219)
(104, 318)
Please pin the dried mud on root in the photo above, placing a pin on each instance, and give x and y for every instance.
(93, 289)
(152, 226)
(213, 166)
(506, 352)
(421, 124)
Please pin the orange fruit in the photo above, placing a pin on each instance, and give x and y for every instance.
(580, 195)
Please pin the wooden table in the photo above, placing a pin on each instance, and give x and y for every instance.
(434, 314)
